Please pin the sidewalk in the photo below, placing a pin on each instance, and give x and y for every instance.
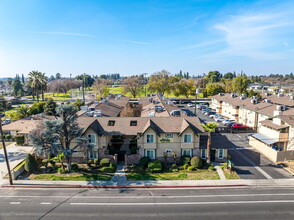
(152, 184)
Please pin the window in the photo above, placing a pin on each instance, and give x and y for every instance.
(187, 152)
(92, 139)
(203, 153)
(150, 154)
(169, 151)
(168, 135)
(187, 138)
(133, 123)
(111, 123)
(93, 154)
(75, 152)
(220, 153)
(150, 138)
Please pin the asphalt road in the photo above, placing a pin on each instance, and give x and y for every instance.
(192, 203)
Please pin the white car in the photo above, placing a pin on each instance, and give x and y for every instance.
(228, 121)
(190, 105)
(219, 119)
(214, 116)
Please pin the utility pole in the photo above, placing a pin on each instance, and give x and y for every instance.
(84, 88)
(196, 93)
(5, 154)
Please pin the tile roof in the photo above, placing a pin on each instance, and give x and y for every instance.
(269, 123)
(289, 119)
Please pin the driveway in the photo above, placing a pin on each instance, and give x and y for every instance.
(15, 154)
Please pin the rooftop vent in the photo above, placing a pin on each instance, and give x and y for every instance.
(267, 101)
(253, 101)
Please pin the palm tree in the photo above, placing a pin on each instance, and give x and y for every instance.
(209, 127)
(36, 81)
(43, 84)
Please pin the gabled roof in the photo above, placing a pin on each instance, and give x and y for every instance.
(151, 124)
(289, 119)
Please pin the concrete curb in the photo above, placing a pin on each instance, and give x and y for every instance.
(143, 186)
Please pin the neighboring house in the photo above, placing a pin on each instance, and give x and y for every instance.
(275, 138)
(21, 127)
(154, 136)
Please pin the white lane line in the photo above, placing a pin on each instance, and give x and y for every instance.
(14, 203)
(155, 197)
(266, 175)
(239, 136)
(45, 203)
(183, 203)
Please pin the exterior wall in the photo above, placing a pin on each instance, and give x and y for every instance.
(248, 117)
(269, 132)
(175, 145)
(228, 110)
(291, 139)
(217, 105)
(264, 149)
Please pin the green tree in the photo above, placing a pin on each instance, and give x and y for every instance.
(214, 76)
(228, 75)
(35, 83)
(22, 111)
(185, 87)
(100, 88)
(214, 88)
(3, 104)
(36, 108)
(210, 128)
(50, 107)
(78, 103)
(66, 129)
(17, 87)
(240, 84)
(30, 163)
(160, 82)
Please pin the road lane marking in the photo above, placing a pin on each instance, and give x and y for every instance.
(45, 203)
(156, 197)
(14, 203)
(182, 203)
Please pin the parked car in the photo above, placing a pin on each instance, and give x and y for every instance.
(211, 114)
(230, 124)
(214, 116)
(219, 119)
(237, 125)
(190, 105)
(206, 110)
(228, 120)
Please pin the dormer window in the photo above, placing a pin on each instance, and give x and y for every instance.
(133, 123)
(111, 123)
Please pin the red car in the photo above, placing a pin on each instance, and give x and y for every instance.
(239, 126)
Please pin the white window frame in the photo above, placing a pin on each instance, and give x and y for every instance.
(187, 135)
(190, 150)
(153, 139)
(93, 152)
(201, 152)
(89, 138)
(146, 154)
(169, 135)
(221, 150)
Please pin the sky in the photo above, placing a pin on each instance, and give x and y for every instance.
(135, 36)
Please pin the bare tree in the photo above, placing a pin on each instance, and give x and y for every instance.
(63, 85)
(133, 85)
(100, 88)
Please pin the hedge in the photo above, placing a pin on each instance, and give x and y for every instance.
(19, 139)
(155, 166)
(105, 162)
(196, 162)
(31, 163)
(143, 162)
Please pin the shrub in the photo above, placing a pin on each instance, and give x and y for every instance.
(186, 166)
(196, 162)
(89, 163)
(105, 162)
(191, 168)
(155, 166)
(108, 169)
(52, 162)
(185, 160)
(62, 171)
(211, 167)
(96, 162)
(19, 139)
(133, 149)
(31, 163)
(174, 166)
(75, 167)
(113, 165)
(175, 170)
(182, 175)
(45, 163)
(8, 136)
(143, 162)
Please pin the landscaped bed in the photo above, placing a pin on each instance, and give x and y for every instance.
(71, 176)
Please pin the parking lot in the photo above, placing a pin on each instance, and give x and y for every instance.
(249, 163)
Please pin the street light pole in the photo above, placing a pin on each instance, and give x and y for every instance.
(5, 153)
(84, 88)
(196, 93)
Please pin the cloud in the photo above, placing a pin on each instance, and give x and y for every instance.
(134, 42)
(66, 33)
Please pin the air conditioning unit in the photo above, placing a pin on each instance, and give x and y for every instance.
(292, 97)
(267, 101)
(280, 95)
(221, 94)
(253, 101)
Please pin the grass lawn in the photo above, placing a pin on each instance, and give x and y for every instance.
(231, 175)
(7, 144)
(200, 174)
(56, 98)
(116, 90)
(71, 176)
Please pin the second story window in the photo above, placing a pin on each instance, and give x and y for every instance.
(133, 123)
(91, 138)
(187, 138)
(150, 138)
